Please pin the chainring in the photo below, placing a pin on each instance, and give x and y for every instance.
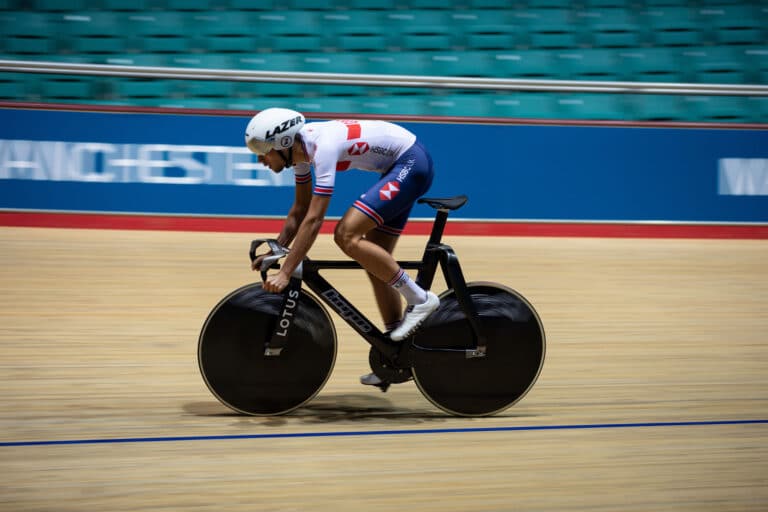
(384, 368)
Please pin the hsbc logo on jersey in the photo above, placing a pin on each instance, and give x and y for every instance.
(358, 148)
(389, 191)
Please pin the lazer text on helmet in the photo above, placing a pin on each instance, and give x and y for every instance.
(282, 127)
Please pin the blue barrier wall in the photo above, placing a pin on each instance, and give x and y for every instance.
(196, 164)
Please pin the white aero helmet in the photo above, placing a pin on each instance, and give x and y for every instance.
(273, 128)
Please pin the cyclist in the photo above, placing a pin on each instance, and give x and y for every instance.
(369, 230)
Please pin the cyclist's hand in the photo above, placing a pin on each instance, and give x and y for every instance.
(276, 283)
(256, 264)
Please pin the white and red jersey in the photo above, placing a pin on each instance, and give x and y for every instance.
(335, 146)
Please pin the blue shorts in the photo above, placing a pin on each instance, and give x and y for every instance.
(389, 201)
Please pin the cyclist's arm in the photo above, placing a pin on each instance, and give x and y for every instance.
(307, 233)
(296, 214)
(309, 227)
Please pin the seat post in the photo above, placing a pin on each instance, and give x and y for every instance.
(441, 218)
(443, 206)
(431, 257)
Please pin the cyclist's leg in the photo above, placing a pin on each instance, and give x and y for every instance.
(385, 206)
(350, 237)
(357, 236)
(387, 236)
(388, 299)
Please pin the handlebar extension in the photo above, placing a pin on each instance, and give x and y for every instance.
(277, 252)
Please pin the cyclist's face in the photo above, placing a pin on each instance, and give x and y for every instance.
(273, 160)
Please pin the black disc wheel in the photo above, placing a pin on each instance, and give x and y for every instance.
(231, 352)
(479, 386)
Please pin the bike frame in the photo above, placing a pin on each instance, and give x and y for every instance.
(435, 253)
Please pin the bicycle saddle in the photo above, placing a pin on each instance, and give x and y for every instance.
(446, 203)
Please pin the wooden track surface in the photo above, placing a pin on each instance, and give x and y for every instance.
(657, 361)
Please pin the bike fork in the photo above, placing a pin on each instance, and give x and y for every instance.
(285, 319)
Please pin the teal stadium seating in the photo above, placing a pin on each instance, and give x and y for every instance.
(449, 104)
(609, 27)
(592, 64)
(526, 64)
(525, 105)
(27, 34)
(134, 59)
(354, 31)
(716, 109)
(593, 106)
(19, 87)
(671, 26)
(91, 32)
(549, 29)
(222, 32)
(758, 59)
(733, 24)
(646, 107)
(716, 64)
(403, 105)
(59, 5)
(395, 63)
(146, 91)
(457, 63)
(485, 30)
(654, 65)
(758, 107)
(699, 41)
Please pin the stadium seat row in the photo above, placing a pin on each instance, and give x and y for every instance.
(367, 30)
(332, 5)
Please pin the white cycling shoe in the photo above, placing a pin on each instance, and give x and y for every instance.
(371, 379)
(414, 316)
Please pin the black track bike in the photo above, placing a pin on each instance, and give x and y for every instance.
(480, 352)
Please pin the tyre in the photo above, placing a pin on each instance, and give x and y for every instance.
(231, 352)
(479, 386)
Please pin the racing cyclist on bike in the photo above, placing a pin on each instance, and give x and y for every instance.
(369, 230)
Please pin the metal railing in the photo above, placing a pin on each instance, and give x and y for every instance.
(441, 82)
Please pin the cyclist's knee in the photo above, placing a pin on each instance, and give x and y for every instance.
(345, 239)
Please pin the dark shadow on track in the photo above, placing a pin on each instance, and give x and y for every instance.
(323, 409)
(356, 408)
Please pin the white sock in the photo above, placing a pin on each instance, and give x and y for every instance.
(412, 292)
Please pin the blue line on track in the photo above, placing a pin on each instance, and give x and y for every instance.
(382, 432)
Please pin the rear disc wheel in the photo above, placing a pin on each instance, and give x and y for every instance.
(479, 386)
